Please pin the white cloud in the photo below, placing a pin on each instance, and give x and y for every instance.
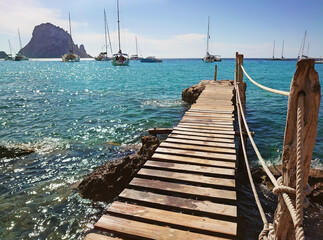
(26, 14)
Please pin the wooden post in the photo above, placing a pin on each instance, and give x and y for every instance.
(305, 82)
(239, 77)
(240, 83)
(215, 71)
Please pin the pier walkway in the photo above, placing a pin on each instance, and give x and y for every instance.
(187, 190)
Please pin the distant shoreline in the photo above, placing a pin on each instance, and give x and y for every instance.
(175, 58)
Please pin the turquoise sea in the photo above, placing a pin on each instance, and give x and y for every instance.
(77, 116)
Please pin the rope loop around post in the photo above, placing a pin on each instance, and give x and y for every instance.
(265, 233)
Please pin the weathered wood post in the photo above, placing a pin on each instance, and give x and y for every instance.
(239, 77)
(241, 87)
(215, 71)
(303, 109)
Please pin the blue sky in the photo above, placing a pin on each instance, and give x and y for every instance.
(175, 28)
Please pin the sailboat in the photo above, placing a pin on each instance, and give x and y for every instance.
(208, 57)
(20, 56)
(103, 56)
(273, 58)
(135, 56)
(119, 59)
(9, 56)
(301, 49)
(70, 57)
(278, 59)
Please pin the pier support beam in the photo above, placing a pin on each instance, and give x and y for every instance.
(242, 92)
(215, 71)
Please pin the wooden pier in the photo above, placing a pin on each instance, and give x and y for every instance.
(187, 189)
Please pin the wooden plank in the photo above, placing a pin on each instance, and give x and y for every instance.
(214, 125)
(199, 106)
(184, 189)
(192, 160)
(193, 137)
(193, 178)
(188, 125)
(185, 220)
(190, 168)
(210, 111)
(197, 147)
(95, 236)
(140, 230)
(210, 114)
(226, 132)
(207, 155)
(207, 120)
(202, 143)
(160, 130)
(181, 203)
(193, 133)
(213, 119)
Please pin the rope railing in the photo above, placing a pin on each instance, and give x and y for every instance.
(296, 212)
(280, 92)
(262, 213)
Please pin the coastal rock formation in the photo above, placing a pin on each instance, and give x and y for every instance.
(107, 181)
(50, 41)
(10, 152)
(190, 95)
(315, 181)
(3, 54)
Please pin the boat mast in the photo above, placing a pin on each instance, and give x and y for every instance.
(105, 33)
(10, 47)
(304, 43)
(283, 50)
(308, 48)
(69, 19)
(20, 43)
(107, 30)
(136, 47)
(274, 50)
(118, 26)
(208, 36)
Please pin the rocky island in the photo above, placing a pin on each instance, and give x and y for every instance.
(50, 41)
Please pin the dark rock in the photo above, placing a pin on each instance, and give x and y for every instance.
(3, 54)
(106, 182)
(50, 41)
(315, 181)
(10, 152)
(190, 95)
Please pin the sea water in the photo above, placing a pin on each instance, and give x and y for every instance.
(77, 116)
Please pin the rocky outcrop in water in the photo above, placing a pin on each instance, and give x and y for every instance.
(3, 54)
(10, 152)
(315, 181)
(107, 181)
(190, 95)
(50, 41)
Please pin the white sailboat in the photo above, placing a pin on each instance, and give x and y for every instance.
(70, 57)
(135, 56)
(103, 56)
(120, 58)
(9, 56)
(208, 57)
(278, 59)
(301, 49)
(20, 56)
